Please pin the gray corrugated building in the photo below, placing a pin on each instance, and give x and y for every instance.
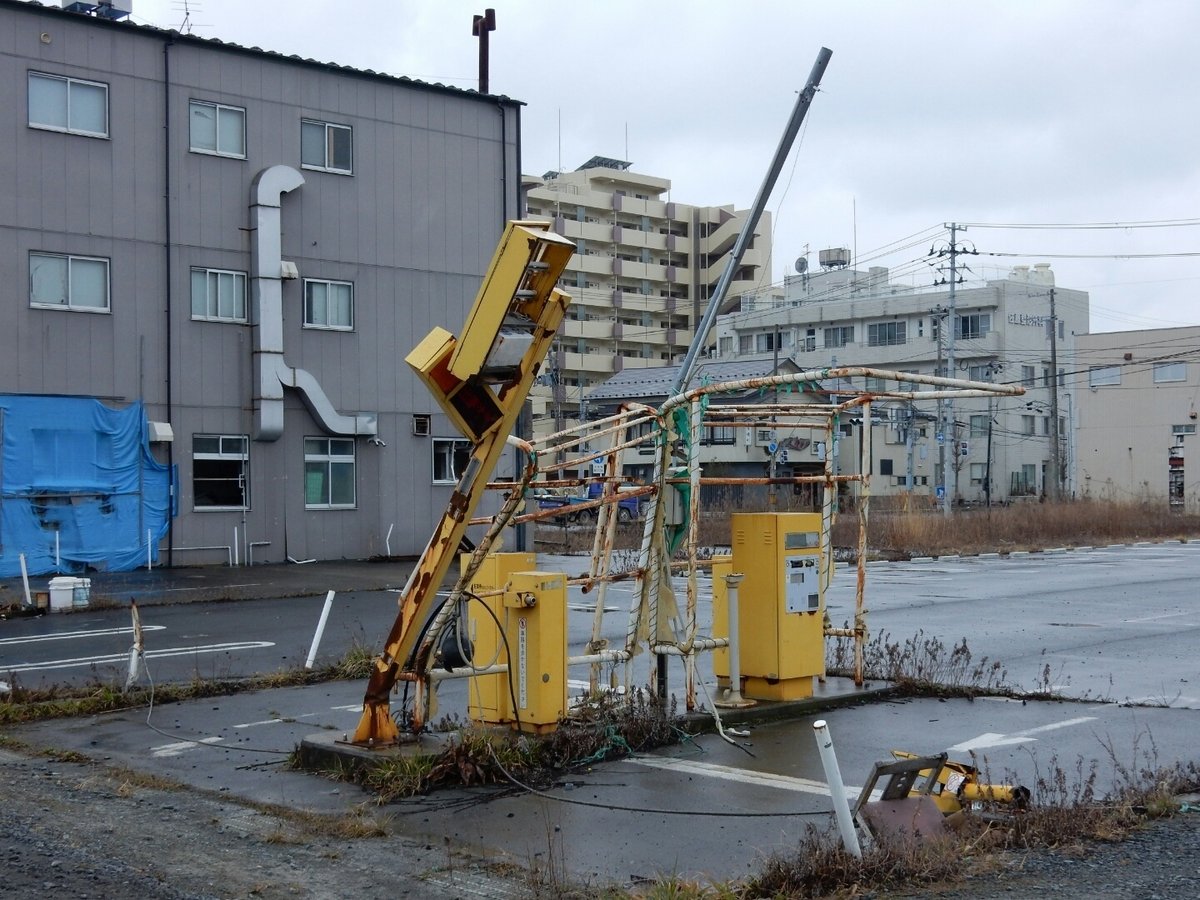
(248, 244)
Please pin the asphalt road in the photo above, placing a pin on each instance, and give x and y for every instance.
(1111, 624)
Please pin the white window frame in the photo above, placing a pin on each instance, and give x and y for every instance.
(221, 276)
(1183, 430)
(979, 425)
(1168, 372)
(978, 472)
(444, 453)
(1104, 376)
(309, 320)
(217, 109)
(69, 304)
(887, 334)
(972, 326)
(1028, 425)
(326, 453)
(326, 165)
(231, 448)
(68, 83)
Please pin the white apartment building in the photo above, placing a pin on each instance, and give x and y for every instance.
(640, 278)
(998, 449)
(1139, 399)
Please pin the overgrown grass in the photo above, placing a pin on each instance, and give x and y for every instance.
(23, 704)
(896, 533)
(605, 726)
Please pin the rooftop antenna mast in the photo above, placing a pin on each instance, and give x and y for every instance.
(739, 248)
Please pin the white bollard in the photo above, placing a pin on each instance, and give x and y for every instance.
(25, 579)
(316, 642)
(837, 790)
(235, 546)
(735, 698)
(137, 653)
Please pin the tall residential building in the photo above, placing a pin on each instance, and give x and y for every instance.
(643, 270)
(1138, 406)
(214, 260)
(1001, 332)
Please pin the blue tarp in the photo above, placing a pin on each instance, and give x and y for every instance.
(79, 469)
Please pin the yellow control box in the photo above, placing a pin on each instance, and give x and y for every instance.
(780, 604)
(488, 695)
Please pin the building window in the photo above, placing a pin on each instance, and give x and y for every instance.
(1046, 425)
(328, 304)
(1181, 430)
(978, 472)
(745, 343)
(1028, 375)
(885, 334)
(979, 373)
(450, 458)
(885, 467)
(979, 426)
(328, 473)
(218, 296)
(1028, 424)
(326, 146)
(839, 336)
(718, 435)
(1169, 371)
(1100, 376)
(220, 471)
(68, 104)
(972, 326)
(68, 282)
(216, 128)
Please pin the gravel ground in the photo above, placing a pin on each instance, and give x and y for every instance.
(82, 831)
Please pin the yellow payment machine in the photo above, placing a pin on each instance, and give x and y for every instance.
(780, 603)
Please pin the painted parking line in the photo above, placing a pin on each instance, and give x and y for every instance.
(275, 721)
(124, 657)
(175, 749)
(74, 635)
(742, 776)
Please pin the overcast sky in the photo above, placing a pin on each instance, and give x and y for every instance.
(1021, 111)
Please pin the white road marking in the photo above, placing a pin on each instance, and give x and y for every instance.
(743, 776)
(1173, 615)
(275, 721)
(356, 707)
(124, 657)
(179, 747)
(994, 739)
(74, 635)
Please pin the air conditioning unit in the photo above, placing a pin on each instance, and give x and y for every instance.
(421, 425)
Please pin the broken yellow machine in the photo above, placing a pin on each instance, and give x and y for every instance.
(957, 785)
(480, 380)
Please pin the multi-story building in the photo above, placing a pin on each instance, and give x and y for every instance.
(240, 247)
(640, 278)
(997, 449)
(1137, 396)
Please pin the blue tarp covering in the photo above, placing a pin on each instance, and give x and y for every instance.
(79, 469)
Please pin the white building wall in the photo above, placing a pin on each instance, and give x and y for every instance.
(1139, 400)
(853, 318)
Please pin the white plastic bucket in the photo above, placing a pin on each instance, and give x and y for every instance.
(62, 593)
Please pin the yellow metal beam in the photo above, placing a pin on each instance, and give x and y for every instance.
(518, 291)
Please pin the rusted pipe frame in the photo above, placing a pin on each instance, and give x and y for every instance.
(606, 531)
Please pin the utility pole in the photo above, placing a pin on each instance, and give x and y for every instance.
(908, 441)
(1054, 474)
(938, 314)
(947, 499)
(772, 498)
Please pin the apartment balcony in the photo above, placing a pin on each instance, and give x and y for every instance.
(591, 265)
(721, 238)
(626, 236)
(597, 330)
(648, 271)
(591, 363)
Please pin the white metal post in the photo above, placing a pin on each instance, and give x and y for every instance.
(837, 790)
(25, 580)
(735, 697)
(316, 641)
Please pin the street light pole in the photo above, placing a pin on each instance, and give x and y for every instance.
(1054, 475)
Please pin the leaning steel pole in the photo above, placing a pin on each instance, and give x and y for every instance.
(764, 192)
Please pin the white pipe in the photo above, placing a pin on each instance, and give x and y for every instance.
(387, 541)
(734, 625)
(837, 790)
(312, 651)
(25, 580)
(57, 556)
(149, 556)
(236, 561)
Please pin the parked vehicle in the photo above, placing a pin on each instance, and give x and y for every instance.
(628, 508)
